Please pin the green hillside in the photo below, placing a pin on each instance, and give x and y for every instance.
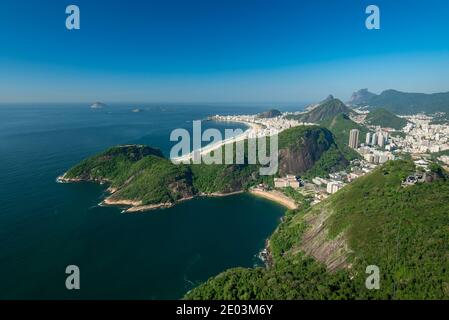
(324, 111)
(340, 126)
(386, 119)
(322, 252)
(141, 174)
(409, 103)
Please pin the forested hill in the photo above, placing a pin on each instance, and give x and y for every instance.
(404, 102)
(322, 252)
(386, 119)
(141, 175)
(340, 126)
(323, 111)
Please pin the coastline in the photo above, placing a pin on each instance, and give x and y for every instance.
(253, 128)
(138, 207)
(135, 206)
(275, 196)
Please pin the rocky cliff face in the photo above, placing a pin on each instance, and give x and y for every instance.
(301, 154)
(361, 97)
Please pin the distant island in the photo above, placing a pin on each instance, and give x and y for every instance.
(98, 105)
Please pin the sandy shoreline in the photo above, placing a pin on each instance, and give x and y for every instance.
(135, 206)
(275, 196)
(253, 128)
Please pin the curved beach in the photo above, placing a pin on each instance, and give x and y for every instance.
(276, 196)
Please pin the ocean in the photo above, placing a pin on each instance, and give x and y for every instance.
(161, 254)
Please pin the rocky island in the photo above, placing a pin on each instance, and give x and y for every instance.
(98, 105)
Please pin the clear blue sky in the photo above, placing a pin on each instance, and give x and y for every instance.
(219, 50)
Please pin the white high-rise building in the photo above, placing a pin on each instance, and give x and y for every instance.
(368, 138)
(354, 138)
(333, 187)
(380, 139)
(374, 139)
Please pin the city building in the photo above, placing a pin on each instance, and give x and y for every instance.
(374, 139)
(354, 138)
(368, 138)
(333, 187)
(319, 181)
(288, 181)
(380, 139)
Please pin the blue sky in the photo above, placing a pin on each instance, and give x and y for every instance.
(219, 50)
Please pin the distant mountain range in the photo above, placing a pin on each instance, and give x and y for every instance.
(402, 102)
(360, 97)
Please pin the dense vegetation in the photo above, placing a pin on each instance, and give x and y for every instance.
(386, 119)
(409, 103)
(315, 154)
(340, 126)
(138, 172)
(402, 230)
(324, 111)
(141, 173)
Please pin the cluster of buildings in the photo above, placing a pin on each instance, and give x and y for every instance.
(377, 147)
(419, 137)
(321, 188)
(375, 156)
(423, 137)
(379, 138)
(333, 186)
(354, 138)
(335, 182)
(262, 126)
(288, 181)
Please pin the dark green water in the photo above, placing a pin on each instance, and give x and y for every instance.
(45, 226)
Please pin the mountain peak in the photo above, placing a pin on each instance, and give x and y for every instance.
(361, 96)
(325, 110)
(328, 98)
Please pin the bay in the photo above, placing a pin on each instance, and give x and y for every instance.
(45, 226)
